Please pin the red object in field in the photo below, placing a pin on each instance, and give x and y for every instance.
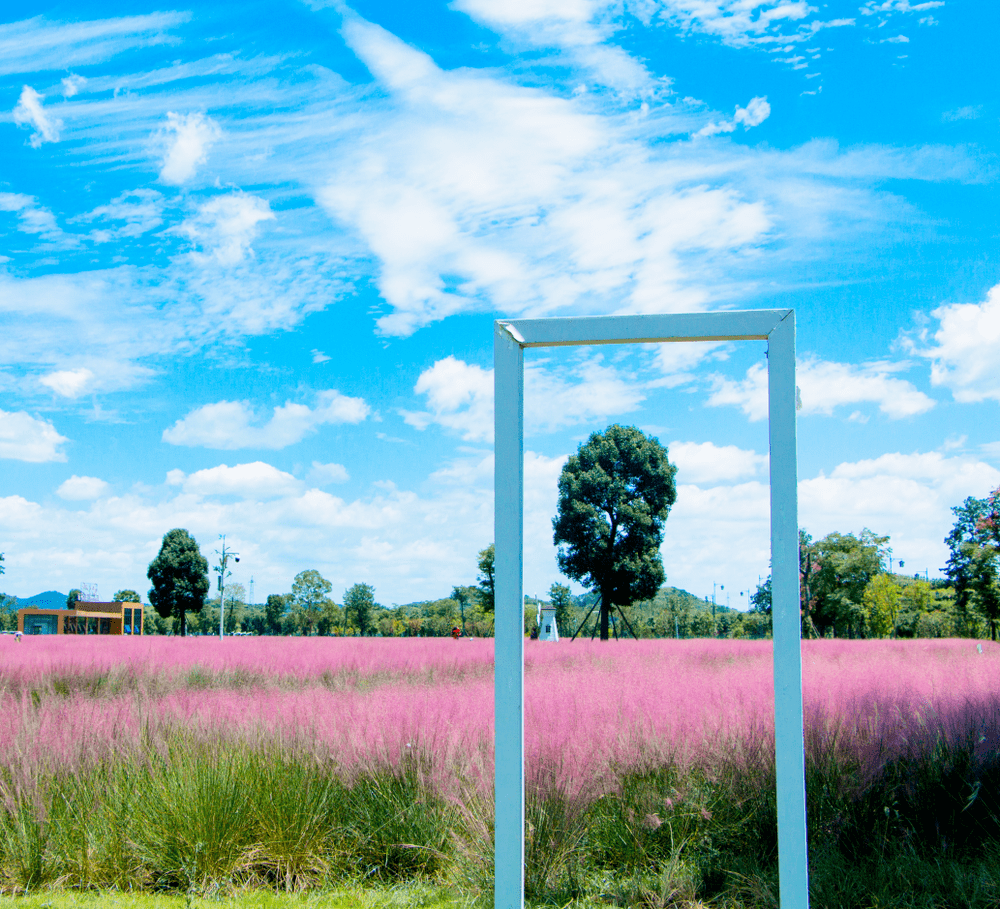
(456, 632)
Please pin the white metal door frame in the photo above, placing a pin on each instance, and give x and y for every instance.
(777, 327)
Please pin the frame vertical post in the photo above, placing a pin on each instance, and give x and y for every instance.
(793, 869)
(508, 372)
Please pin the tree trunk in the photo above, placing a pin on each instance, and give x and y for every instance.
(605, 610)
(183, 622)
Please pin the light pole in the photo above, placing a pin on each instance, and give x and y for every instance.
(224, 557)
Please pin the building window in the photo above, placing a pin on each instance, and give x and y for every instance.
(128, 621)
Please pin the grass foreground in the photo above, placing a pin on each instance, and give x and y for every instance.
(650, 776)
(401, 896)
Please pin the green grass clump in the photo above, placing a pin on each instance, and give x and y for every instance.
(188, 822)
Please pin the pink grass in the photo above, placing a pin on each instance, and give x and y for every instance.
(592, 709)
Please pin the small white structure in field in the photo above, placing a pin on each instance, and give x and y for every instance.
(547, 630)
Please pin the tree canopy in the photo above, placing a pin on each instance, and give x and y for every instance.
(310, 598)
(974, 545)
(835, 572)
(359, 607)
(614, 496)
(179, 575)
(126, 596)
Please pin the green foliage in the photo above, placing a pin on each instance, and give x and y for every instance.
(487, 558)
(8, 612)
(760, 600)
(881, 602)
(179, 575)
(973, 569)
(309, 601)
(359, 608)
(614, 496)
(274, 612)
(836, 570)
(73, 597)
(126, 596)
(562, 601)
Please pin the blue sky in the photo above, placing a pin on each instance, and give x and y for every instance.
(250, 259)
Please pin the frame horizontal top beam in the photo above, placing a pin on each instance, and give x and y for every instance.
(745, 325)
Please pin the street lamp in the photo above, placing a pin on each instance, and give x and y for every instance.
(224, 557)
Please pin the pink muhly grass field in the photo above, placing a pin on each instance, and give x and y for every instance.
(592, 710)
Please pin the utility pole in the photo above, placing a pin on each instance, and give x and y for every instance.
(224, 557)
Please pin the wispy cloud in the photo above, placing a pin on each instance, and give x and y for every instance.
(225, 226)
(39, 45)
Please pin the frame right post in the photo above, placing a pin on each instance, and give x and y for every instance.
(793, 868)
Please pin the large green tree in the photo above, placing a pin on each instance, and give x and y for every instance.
(835, 572)
(614, 496)
(179, 575)
(125, 596)
(310, 595)
(359, 607)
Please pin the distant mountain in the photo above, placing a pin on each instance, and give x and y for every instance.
(50, 599)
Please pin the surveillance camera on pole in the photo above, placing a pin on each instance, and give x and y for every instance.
(224, 557)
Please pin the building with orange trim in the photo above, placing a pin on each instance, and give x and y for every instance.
(83, 618)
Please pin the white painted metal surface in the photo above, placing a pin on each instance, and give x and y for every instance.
(778, 328)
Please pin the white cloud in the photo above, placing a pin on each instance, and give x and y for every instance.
(82, 489)
(72, 84)
(825, 385)
(898, 39)
(460, 396)
(226, 225)
(704, 462)
(965, 350)
(33, 218)
(755, 113)
(318, 356)
(69, 383)
(677, 360)
(27, 438)
(233, 424)
(322, 474)
(908, 496)
(29, 112)
(193, 135)
(256, 480)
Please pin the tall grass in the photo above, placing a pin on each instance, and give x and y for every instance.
(204, 765)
